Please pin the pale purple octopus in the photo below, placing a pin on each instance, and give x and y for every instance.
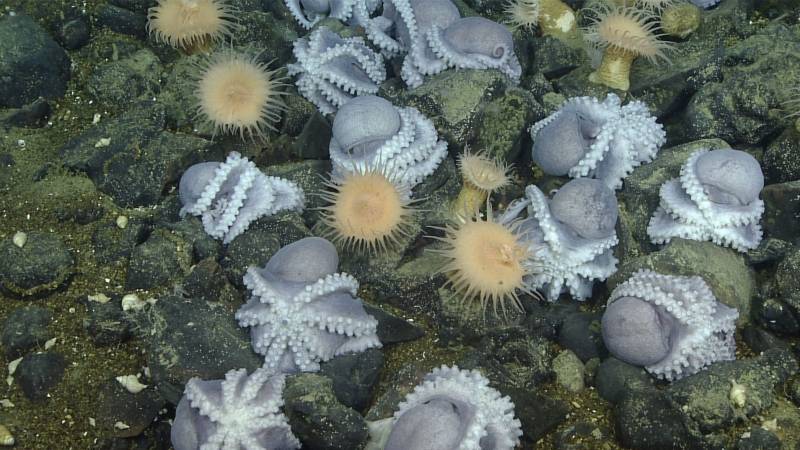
(436, 38)
(570, 236)
(239, 412)
(715, 198)
(354, 12)
(331, 69)
(302, 312)
(604, 140)
(671, 325)
(704, 3)
(451, 409)
(229, 196)
(371, 133)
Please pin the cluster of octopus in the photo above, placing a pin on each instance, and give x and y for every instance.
(302, 311)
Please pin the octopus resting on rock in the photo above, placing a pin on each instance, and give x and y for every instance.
(715, 198)
(371, 133)
(302, 312)
(240, 411)
(333, 69)
(309, 12)
(671, 325)
(230, 195)
(436, 37)
(604, 140)
(454, 409)
(570, 236)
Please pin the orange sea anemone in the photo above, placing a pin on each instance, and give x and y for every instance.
(486, 261)
(368, 211)
(624, 33)
(190, 23)
(236, 93)
(553, 17)
(482, 175)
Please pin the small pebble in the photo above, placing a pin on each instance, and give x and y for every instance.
(20, 238)
(6, 438)
(122, 221)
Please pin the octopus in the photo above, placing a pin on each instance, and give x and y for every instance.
(302, 312)
(715, 198)
(241, 411)
(331, 69)
(603, 140)
(370, 133)
(309, 12)
(229, 196)
(671, 325)
(570, 237)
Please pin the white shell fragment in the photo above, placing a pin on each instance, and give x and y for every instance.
(131, 383)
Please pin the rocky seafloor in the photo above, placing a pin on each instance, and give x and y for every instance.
(112, 282)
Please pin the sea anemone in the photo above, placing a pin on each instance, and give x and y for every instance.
(482, 176)
(553, 17)
(623, 33)
(237, 93)
(368, 210)
(680, 20)
(486, 261)
(190, 24)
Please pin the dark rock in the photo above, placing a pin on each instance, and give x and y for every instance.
(770, 250)
(107, 323)
(122, 20)
(310, 175)
(583, 436)
(437, 192)
(114, 405)
(647, 420)
(42, 265)
(538, 413)
(782, 157)
(121, 81)
(112, 243)
(392, 329)
(159, 260)
(314, 139)
(265, 31)
(139, 6)
(189, 338)
(760, 340)
(776, 316)
(6, 160)
(206, 281)
(787, 281)
(74, 33)
(502, 124)
(25, 329)
(757, 438)
(512, 359)
(580, 332)
(615, 378)
(705, 398)
(31, 115)
(781, 210)
(354, 376)
(793, 390)
(317, 418)
(40, 372)
(555, 57)
(32, 65)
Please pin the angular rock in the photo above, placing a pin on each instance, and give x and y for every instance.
(354, 376)
(122, 414)
(781, 210)
(40, 372)
(25, 329)
(41, 266)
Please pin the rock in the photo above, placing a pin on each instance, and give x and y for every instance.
(65, 198)
(615, 379)
(139, 6)
(31, 115)
(781, 209)
(453, 100)
(466, 320)
(354, 376)
(160, 260)
(40, 372)
(112, 243)
(392, 329)
(776, 316)
(122, 20)
(436, 192)
(41, 266)
(705, 398)
(140, 160)
(310, 175)
(25, 329)
(190, 230)
(178, 92)
(770, 250)
(647, 420)
(757, 438)
(74, 33)
(121, 81)
(316, 416)
(580, 332)
(264, 31)
(206, 281)
(512, 358)
(782, 158)
(569, 371)
(32, 65)
(746, 106)
(188, 338)
(760, 340)
(787, 282)
(120, 413)
(502, 124)
(724, 270)
(640, 194)
(314, 140)
(538, 413)
(584, 436)
(107, 323)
